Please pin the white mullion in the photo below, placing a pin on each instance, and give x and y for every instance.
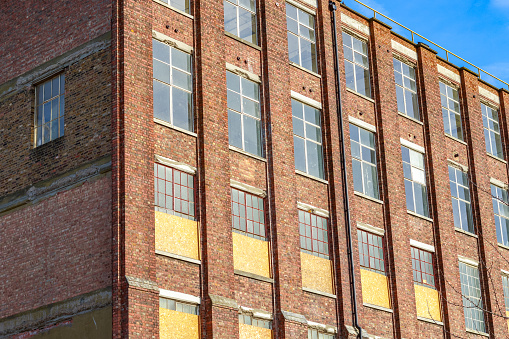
(171, 86)
(241, 116)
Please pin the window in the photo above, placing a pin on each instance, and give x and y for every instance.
(406, 90)
(451, 111)
(248, 214)
(501, 211)
(301, 37)
(181, 5)
(415, 181)
(422, 266)
(244, 117)
(307, 139)
(249, 320)
(173, 86)
(371, 253)
(314, 236)
(505, 286)
(460, 195)
(174, 192)
(356, 65)
(314, 334)
(49, 110)
(492, 131)
(365, 179)
(240, 19)
(472, 299)
(178, 306)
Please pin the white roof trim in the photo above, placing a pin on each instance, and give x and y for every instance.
(403, 49)
(247, 188)
(448, 73)
(306, 100)
(362, 124)
(422, 246)
(175, 164)
(371, 229)
(411, 145)
(354, 24)
(468, 261)
(172, 42)
(243, 73)
(179, 296)
(313, 209)
(487, 94)
(299, 6)
(498, 183)
(458, 165)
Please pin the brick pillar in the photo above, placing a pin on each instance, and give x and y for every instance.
(281, 172)
(440, 195)
(220, 313)
(135, 299)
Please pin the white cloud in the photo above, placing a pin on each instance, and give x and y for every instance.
(500, 4)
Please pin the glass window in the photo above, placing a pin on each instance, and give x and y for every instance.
(356, 65)
(501, 211)
(181, 5)
(49, 110)
(244, 116)
(415, 181)
(301, 37)
(307, 139)
(472, 299)
(240, 19)
(406, 89)
(178, 306)
(314, 334)
(173, 86)
(365, 178)
(314, 235)
(451, 111)
(248, 215)
(492, 131)
(422, 266)
(371, 251)
(505, 285)
(174, 192)
(460, 196)
(250, 320)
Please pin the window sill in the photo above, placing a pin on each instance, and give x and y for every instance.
(362, 195)
(305, 69)
(503, 246)
(325, 294)
(174, 9)
(380, 308)
(410, 118)
(167, 124)
(419, 216)
(304, 174)
(496, 158)
(178, 257)
(245, 42)
(238, 150)
(431, 321)
(253, 276)
(360, 95)
(459, 230)
(455, 139)
(478, 333)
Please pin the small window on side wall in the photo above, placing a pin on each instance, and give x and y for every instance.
(406, 89)
(301, 37)
(49, 110)
(365, 178)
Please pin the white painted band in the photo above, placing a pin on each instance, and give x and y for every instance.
(179, 296)
(306, 100)
(313, 209)
(411, 145)
(487, 94)
(371, 229)
(175, 164)
(354, 24)
(403, 50)
(448, 73)
(243, 73)
(422, 246)
(468, 261)
(362, 124)
(172, 42)
(247, 188)
(498, 183)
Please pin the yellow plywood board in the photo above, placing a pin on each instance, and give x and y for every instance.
(316, 273)
(251, 255)
(177, 235)
(427, 302)
(254, 332)
(375, 290)
(178, 325)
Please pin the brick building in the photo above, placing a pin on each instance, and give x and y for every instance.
(173, 169)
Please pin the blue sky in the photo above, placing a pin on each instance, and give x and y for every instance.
(476, 30)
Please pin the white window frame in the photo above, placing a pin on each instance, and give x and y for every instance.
(500, 207)
(451, 110)
(238, 6)
(468, 299)
(299, 8)
(40, 104)
(416, 149)
(457, 199)
(356, 64)
(372, 130)
(486, 124)
(407, 89)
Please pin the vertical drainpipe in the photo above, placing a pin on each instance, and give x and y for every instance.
(346, 204)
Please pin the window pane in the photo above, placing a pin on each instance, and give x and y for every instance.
(252, 135)
(314, 158)
(235, 129)
(181, 109)
(230, 18)
(300, 155)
